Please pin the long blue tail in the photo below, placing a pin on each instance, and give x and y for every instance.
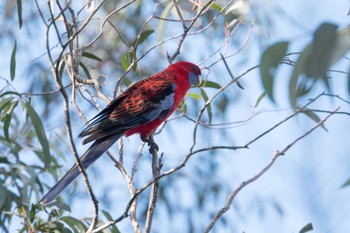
(89, 157)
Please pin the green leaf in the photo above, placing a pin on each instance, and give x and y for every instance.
(127, 59)
(4, 104)
(161, 26)
(86, 70)
(313, 116)
(19, 12)
(74, 224)
(144, 35)
(194, 96)
(293, 94)
(114, 228)
(321, 52)
(91, 56)
(126, 81)
(13, 62)
(342, 45)
(347, 183)
(7, 119)
(306, 228)
(317, 57)
(210, 84)
(209, 111)
(216, 7)
(10, 93)
(269, 62)
(261, 97)
(40, 132)
(3, 195)
(125, 62)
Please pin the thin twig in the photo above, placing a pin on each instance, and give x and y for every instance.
(187, 29)
(131, 186)
(154, 189)
(55, 71)
(284, 120)
(104, 22)
(234, 193)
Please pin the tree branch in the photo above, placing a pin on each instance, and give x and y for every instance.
(156, 166)
(278, 153)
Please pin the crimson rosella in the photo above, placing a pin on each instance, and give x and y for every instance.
(139, 110)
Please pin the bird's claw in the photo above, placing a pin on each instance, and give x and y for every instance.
(152, 146)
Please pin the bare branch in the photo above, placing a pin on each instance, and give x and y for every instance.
(187, 29)
(234, 193)
(154, 190)
(104, 22)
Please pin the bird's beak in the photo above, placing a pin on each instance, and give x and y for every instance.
(194, 79)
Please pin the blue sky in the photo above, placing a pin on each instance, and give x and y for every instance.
(305, 183)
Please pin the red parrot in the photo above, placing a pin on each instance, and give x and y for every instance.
(139, 110)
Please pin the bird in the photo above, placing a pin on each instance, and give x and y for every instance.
(140, 109)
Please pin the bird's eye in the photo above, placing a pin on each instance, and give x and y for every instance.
(194, 68)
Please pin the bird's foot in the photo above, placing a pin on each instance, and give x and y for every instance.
(150, 142)
(152, 146)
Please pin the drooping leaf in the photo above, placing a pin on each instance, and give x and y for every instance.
(7, 122)
(327, 47)
(13, 62)
(5, 103)
(7, 119)
(125, 62)
(210, 84)
(76, 225)
(19, 13)
(313, 116)
(321, 51)
(144, 35)
(269, 62)
(209, 110)
(295, 77)
(306, 228)
(86, 70)
(113, 228)
(161, 25)
(3, 195)
(127, 59)
(261, 97)
(91, 56)
(342, 45)
(347, 183)
(40, 132)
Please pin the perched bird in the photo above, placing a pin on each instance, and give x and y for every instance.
(139, 110)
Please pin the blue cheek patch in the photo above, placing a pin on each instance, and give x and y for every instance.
(193, 78)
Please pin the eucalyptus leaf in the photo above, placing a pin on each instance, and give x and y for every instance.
(13, 62)
(269, 62)
(308, 227)
(209, 109)
(40, 132)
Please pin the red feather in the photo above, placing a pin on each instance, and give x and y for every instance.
(139, 110)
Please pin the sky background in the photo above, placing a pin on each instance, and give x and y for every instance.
(303, 186)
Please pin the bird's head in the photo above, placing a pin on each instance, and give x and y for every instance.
(192, 71)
